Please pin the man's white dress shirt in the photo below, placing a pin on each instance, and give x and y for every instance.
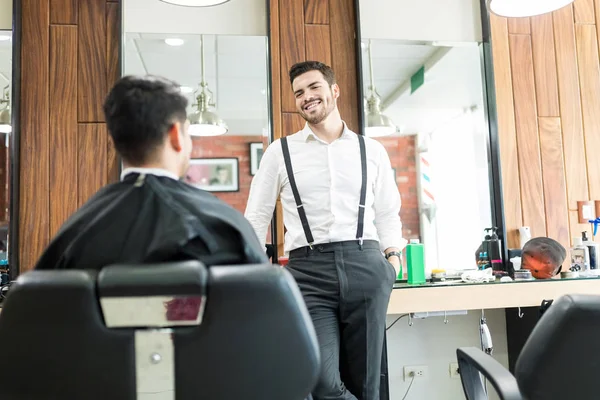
(328, 176)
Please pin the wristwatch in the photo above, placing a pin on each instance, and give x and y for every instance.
(393, 253)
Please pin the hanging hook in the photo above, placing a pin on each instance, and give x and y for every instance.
(410, 321)
(445, 317)
(520, 314)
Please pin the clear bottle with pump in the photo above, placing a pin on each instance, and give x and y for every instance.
(593, 248)
(580, 256)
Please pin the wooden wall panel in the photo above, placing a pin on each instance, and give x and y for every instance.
(553, 167)
(544, 62)
(584, 11)
(589, 79)
(292, 46)
(565, 84)
(318, 43)
(92, 60)
(63, 12)
(343, 59)
(92, 146)
(63, 124)
(530, 169)
(511, 181)
(570, 114)
(520, 26)
(322, 30)
(34, 154)
(69, 58)
(316, 12)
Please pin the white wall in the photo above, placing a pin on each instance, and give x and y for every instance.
(425, 20)
(6, 15)
(432, 343)
(236, 17)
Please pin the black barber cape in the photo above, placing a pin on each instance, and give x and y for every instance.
(148, 218)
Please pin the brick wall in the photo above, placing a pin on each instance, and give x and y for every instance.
(402, 156)
(235, 147)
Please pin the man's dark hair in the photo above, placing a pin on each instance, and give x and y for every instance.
(546, 247)
(306, 66)
(139, 112)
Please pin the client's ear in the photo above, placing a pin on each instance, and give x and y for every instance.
(175, 137)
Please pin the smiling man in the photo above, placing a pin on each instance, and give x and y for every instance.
(344, 236)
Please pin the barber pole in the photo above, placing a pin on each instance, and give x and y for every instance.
(427, 196)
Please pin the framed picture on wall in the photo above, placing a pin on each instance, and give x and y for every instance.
(214, 174)
(256, 153)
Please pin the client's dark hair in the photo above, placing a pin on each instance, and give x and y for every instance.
(139, 112)
(547, 247)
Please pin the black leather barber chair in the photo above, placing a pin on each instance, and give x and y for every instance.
(559, 361)
(157, 332)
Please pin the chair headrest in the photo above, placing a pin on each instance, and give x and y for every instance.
(153, 296)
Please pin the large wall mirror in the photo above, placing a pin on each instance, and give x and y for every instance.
(8, 87)
(219, 56)
(427, 100)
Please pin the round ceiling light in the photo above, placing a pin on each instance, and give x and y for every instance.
(174, 41)
(526, 8)
(195, 3)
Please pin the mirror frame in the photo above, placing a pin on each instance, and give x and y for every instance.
(490, 115)
(14, 151)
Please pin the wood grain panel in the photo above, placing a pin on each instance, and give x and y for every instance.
(555, 191)
(34, 139)
(92, 60)
(292, 46)
(584, 11)
(589, 77)
(544, 62)
(519, 26)
(507, 131)
(316, 11)
(276, 69)
(318, 43)
(63, 12)
(570, 112)
(91, 159)
(63, 124)
(292, 123)
(112, 75)
(343, 59)
(527, 133)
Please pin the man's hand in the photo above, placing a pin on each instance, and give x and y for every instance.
(394, 260)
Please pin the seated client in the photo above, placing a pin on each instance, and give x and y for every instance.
(151, 215)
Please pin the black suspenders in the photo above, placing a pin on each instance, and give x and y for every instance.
(300, 206)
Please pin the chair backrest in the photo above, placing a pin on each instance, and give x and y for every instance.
(560, 360)
(162, 332)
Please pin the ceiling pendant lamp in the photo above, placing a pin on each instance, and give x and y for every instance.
(525, 8)
(195, 3)
(377, 124)
(204, 122)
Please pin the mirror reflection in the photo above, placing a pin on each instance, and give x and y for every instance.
(219, 57)
(423, 87)
(5, 132)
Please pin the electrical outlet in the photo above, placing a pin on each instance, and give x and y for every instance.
(454, 371)
(416, 371)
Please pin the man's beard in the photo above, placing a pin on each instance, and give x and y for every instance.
(319, 117)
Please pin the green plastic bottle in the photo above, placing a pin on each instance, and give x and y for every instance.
(415, 262)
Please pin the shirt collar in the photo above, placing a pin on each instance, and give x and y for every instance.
(148, 171)
(308, 134)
